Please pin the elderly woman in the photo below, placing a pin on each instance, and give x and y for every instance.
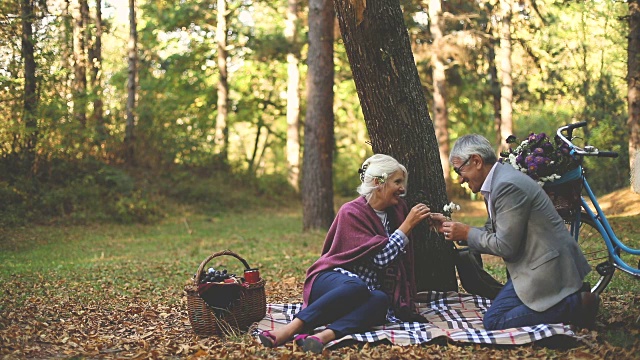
(364, 276)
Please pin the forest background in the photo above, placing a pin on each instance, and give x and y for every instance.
(136, 137)
(88, 137)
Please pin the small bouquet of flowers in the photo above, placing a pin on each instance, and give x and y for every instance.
(537, 157)
(449, 209)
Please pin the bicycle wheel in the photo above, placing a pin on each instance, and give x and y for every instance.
(592, 244)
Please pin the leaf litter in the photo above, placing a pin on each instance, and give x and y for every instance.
(76, 319)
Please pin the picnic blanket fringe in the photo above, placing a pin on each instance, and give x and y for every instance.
(456, 316)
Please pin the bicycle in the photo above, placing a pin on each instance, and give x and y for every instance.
(590, 227)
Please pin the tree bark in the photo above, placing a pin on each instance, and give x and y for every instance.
(129, 139)
(506, 91)
(30, 94)
(80, 63)
(317, 182)
(440, 112)
(633, 89)
(95, 57)
(293, 95)
(222, 129)
(397, 118)
(495, 89)
(67, 41)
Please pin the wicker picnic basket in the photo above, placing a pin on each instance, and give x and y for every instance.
(250, 307)
(565, 193)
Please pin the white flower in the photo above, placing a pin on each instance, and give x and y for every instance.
(451, 207)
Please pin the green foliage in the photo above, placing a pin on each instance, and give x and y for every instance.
(607, 174)
(216, 191)
(75, 192)
(569, 64)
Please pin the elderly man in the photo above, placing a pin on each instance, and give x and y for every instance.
(545, 265)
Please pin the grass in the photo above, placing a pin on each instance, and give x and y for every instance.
(101, 279)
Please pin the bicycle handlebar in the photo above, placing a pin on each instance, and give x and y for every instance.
(587, 150)
(611, 154)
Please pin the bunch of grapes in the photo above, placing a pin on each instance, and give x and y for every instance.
(213, 275)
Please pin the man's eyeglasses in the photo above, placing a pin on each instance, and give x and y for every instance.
(457, 169)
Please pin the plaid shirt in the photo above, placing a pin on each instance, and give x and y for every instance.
(368, 271)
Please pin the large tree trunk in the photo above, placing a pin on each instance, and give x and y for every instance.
(293, 95)
(440, 112)
(633, 83)
(395, 111)
(80, 62)
(222, 129)
(506, 91)
(317, 183)
(129, 137)
(95, 57)
(30, 95)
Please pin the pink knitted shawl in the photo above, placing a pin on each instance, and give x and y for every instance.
(356, 234)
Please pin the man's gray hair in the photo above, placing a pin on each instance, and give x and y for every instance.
(468, 145)
(376, 167)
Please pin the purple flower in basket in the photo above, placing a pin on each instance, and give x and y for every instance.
(538, 157)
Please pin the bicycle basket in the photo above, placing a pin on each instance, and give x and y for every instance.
(565, 193)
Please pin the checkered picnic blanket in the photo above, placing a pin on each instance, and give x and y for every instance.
(451, 314)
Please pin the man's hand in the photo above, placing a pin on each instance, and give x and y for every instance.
(437, 220)
(455, 231)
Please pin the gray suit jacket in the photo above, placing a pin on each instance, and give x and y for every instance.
(544, 261)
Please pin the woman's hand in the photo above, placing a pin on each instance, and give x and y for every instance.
(418, 213)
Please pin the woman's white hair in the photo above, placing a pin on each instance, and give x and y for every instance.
(381, 167)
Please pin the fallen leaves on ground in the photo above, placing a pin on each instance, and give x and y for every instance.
(76, 319)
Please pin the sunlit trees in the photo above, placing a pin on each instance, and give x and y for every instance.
(132, 47)
(317, 180)
(633, 84)
(505, 73)
(569, 63)
(222, 129)
(95, 65)
(293, 94)
(30, 96)
(441, 114)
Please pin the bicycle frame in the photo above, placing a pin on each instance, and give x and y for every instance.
(614, 245)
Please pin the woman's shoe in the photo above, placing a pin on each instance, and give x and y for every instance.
(313, 344)
(267, 339)
(299, 339)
